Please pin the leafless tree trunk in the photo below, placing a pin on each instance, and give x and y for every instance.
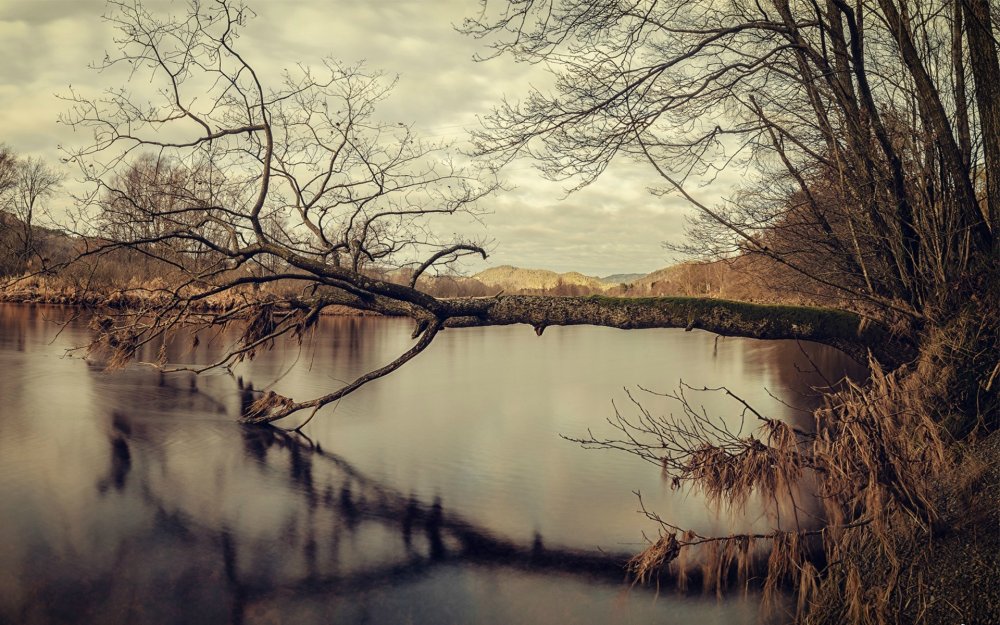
(985, 69)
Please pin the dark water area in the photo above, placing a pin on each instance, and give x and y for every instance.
(441, 494)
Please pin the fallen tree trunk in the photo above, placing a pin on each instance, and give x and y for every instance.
(843, 330)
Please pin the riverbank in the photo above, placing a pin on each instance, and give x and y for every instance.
(951, 578)
(40, 291)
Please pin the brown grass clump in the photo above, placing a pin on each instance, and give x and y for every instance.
(730, 475)
(266, 403)
(655, 558)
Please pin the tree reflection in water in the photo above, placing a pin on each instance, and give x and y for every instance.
(136, 498)
(395, 537)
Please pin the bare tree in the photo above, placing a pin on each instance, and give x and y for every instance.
(8, 257)
(7, 160)
(154, 197)
(30, 183)
(868, 170)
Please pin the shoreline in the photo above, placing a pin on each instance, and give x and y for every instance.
(122, 300)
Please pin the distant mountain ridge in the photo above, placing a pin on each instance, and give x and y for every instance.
(741, 279)
(515, 278)
(622, 278)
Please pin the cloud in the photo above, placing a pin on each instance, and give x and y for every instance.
(611, 226)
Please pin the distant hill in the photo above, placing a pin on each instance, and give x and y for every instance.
(516, 279)
(622, 278)
(749, 279)
(690, 279)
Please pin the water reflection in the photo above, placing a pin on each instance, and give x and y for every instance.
(121, 457)
(441, 495)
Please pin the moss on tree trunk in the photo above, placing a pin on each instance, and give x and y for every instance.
(844, 330)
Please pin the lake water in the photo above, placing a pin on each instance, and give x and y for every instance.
(443, 493)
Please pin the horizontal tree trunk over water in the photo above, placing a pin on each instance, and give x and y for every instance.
(841, 329)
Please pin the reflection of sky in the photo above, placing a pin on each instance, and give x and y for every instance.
(474, 421)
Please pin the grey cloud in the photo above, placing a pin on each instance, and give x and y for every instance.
(41, 11)
(612, 226)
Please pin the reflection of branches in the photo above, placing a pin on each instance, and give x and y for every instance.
(430, 533)
(121, 457)
(372, 500)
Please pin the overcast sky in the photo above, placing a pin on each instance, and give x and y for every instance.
(614, 226)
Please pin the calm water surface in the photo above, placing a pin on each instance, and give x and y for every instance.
(441, 494)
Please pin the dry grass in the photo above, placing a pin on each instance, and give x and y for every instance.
(265, 404)
(657, 557)
(877, 454)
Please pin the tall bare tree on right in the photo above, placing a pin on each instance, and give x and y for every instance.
(879, 169)
(870, 134)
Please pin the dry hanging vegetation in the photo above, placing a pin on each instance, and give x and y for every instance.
(874, 457)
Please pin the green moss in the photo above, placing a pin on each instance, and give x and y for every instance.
(832, 321)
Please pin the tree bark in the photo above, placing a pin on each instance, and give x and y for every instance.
(933, 109)
(840, 329)
(986, 73)
(961, 94)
